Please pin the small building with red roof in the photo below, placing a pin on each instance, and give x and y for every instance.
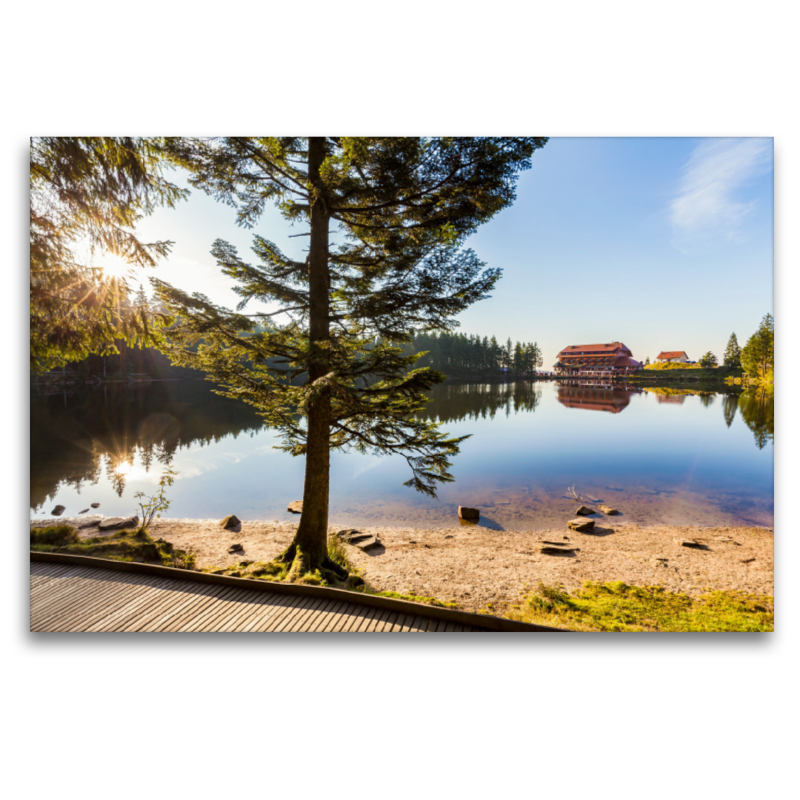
(666, 356)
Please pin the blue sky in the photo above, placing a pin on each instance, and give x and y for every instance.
(661, 243)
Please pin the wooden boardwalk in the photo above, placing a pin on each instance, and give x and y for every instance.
(76, 594)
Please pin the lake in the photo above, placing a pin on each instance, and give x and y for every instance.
(660, 456)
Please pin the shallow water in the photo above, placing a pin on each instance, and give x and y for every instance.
(659, 457)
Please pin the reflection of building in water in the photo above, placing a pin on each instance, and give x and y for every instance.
(609, 398)
(671, 398)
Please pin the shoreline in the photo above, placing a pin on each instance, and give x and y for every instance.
(480, 568)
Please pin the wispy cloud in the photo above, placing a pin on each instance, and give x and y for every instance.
(710, 200)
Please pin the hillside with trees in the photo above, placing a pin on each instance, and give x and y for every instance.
(459, 355)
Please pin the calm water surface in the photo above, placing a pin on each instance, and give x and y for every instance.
(659, 457)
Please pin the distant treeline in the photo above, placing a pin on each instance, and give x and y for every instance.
(462, 355)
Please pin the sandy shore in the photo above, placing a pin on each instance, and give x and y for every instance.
(477, 566)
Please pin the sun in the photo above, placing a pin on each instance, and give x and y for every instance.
(114, 266)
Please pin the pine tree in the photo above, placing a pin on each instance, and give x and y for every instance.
(87, 193)
(708, 360)
(758, 355)
(733, 353)
(404, 207)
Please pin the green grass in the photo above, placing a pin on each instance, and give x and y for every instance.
(620, 607)
(125, 545)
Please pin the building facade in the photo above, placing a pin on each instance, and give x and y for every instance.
(672, 355)
(609, 360)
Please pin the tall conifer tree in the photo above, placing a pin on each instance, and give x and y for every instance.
(404, 207)
(733, 353)
(87, 194)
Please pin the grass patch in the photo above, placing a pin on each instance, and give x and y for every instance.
(620, 607)
(125, 545)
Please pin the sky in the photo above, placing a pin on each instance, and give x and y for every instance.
(660, 243)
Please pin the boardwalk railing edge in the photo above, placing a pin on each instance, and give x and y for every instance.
(484, 621)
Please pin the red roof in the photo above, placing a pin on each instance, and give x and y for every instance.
(624, 361)
(671, 354)
(575, 349)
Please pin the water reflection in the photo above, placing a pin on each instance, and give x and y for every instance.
(450, 402)
(77, 438)
(757, 407)
(613, 399)
(526, 447)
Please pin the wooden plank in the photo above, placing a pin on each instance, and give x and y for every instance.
(249, 607)
(421, 625)
(246, 607)
(450, 627)
(310, 620)
(60, 588)
(377, 621)
(299, 608)
(263, 602)
(102, 605)
(351, 617)
(366, 621)
(160, 607)
(191, 610)
(269, 611)
(219, 606)
(345, 619)
(86, 596)
(205, 609)
(395, 623)
(299, 617)
(334, 618)
(327, 619)
(156, 609)
(136, 600)
(137, 603)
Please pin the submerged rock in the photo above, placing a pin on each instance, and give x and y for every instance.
(581, 525)
(85, 511)
(585, 511)
(95, 505)
(465, 512)
(609, 511)
(58, 511)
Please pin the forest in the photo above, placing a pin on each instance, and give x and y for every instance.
(460, 355)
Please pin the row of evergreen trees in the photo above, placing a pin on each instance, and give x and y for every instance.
(460, 355)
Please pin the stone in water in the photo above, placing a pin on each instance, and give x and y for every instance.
(609, 511)
(58, 511)
(469, 513)
(231, 521)
(584, 511)
(295, 507)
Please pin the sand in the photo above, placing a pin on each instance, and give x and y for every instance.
(480, 568)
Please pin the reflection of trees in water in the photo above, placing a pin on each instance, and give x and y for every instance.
(456, 401)
(729, 405)
(706, 399)
(150, 421)
(757, 408)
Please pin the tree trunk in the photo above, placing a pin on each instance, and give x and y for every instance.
(309, 550)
